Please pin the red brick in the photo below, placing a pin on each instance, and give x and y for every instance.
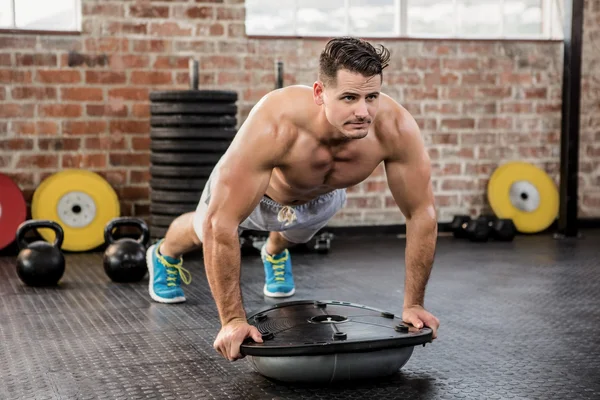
(413, 94)
(23, 127)
(17, 42)
(2, 94)
(147, 11)
(478, 79)
(461, 123)
(401, 78)
(139, 176)
(60, 110)
(194, 12)
(171, 62)
(46, 127)
(456, 93)
(6, 59)
(231, 13)
(151, 46)
(105, 77)
(499, 92)
(445, 169)
(84, 160)
(16, 144)
(33, 92)
(458, 184)
(470, 139)
(66, 43)
(82, 94)
(126, 28)
(479, 169)
(545, 108)
(535, 152)
(37, 161)
(236, 30)
(441, 108)
(107, 44)
(88, 127)
(105, 143)
(434, 48)
(515, 78)
(114, 177)
(495, 123)
(15, 76)
(151, 78)
(536, 93)
(127, 61)
(517, 108)
(16, 110)
(111, 109)
(220, 62)
(5, 161)
(107, 10)
(60, 144)
(36, 59)
(426, 123)
(461, 64)
(364, 202)
(446, 78)
(444, 138)
(422, 63)
(140, 143)
(200, 46)
(58, 76)
(129, 93)
(210, 29)
(22, 178)
(169, 29)
(134, 193)
(445, 200)
(124, 126)
(141, 110)
(117, 159)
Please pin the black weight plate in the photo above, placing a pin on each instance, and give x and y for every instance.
(207, 146)
(170, 171)
(223, 133)
(177, 184)
(194, 96)
(185, 158)
(162, 220)
(167, 196)
(172, 208)
(192, 120)
(193, 108)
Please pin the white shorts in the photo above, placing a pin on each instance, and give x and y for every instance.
(297, 224)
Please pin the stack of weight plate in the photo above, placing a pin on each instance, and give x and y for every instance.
(190, 131)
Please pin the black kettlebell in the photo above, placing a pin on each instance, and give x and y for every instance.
(125, 259)
(40, 263)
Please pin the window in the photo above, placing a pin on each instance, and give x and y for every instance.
(54, 15)
(485, 19)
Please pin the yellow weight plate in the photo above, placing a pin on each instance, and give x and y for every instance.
(81, 202)
(524, 193)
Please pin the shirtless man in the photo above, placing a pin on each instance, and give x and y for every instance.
(286, 172)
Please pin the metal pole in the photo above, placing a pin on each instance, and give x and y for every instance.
(279, 73)
(569, 152)
(193, 64)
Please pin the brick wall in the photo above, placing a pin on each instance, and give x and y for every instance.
(479, 104)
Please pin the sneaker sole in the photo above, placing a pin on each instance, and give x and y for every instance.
(153, 294)
(278, 294)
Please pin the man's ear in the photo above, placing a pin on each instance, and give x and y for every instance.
(318, 93)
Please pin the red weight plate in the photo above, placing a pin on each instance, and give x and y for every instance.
(13, 210)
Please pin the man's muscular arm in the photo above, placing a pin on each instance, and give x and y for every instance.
(408, 171)
(241, 180)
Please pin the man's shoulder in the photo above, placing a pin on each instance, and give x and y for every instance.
(396, 128)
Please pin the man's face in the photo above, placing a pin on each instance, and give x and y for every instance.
(350, 105)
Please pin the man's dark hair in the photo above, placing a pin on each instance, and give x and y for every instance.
(353, 54)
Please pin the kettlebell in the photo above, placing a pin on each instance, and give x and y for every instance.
(40, 263)
(125, 259)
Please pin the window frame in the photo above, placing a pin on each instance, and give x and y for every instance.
(14, 29)
(549, 29)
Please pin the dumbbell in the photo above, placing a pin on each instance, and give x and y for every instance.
(459, 226)
(488, 226)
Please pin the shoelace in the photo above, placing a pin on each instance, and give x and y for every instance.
(278, 266)
(175, 269)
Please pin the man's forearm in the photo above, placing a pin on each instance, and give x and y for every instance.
(421, 237)
(223, 270)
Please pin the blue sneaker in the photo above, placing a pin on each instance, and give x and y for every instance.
(279, 281)
(166, 274)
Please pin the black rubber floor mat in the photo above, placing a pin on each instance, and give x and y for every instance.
(518, 321)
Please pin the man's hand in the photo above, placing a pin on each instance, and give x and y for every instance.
(231, 337)
(418, 317)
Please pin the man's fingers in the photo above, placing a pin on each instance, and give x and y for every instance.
(255, 334)
(414, 320)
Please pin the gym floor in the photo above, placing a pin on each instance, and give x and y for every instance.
(518, 320)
